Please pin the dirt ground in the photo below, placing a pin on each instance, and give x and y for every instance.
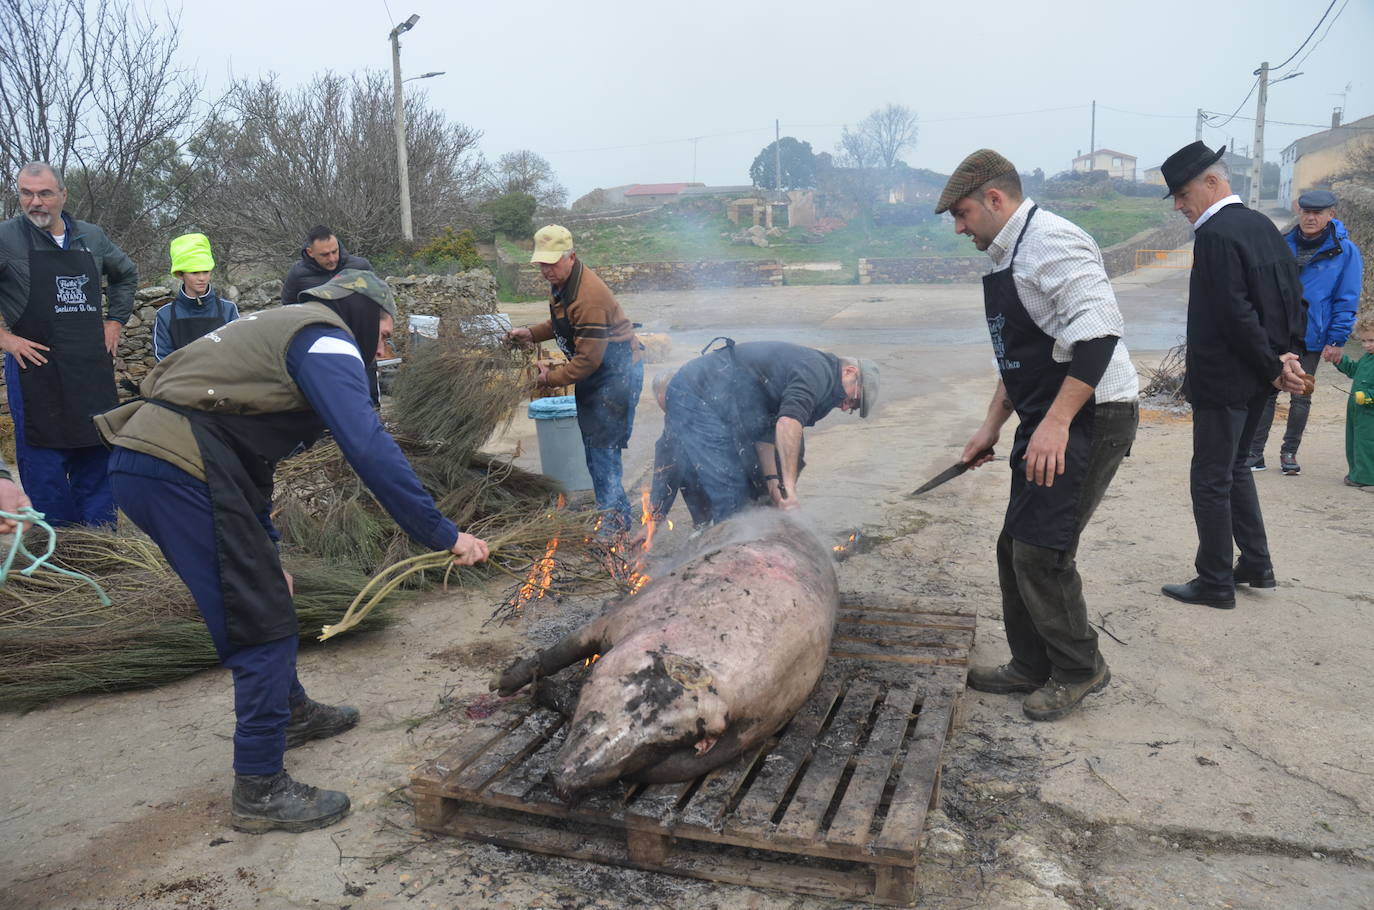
(1228, 764)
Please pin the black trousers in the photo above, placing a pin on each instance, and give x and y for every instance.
(1225, 503)
(1299, 406)
(1042, 593)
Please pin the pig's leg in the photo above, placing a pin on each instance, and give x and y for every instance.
(579, 645)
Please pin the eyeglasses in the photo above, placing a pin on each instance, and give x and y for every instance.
(41, 195)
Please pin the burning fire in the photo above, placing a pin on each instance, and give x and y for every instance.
(591, 660)
(540, 578)
(840, 548)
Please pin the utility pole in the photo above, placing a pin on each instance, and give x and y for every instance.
(1092, 139)
(777, 155)
(399, 117)
(1257, 161)
(695, 140)
(1197, 134)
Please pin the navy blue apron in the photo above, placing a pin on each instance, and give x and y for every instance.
(77, 382)
(1041, 516)
(606, 398)
(186, 329)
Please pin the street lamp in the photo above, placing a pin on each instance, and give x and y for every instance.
(399, 116)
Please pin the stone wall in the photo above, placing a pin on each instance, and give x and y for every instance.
(686, 276)
(922, 270)
(1356, 211)
(430, 295)
(1174, 233)
(1118, 259)
(520, 275)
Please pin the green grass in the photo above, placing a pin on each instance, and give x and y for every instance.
(1116, 218)
(670, 235)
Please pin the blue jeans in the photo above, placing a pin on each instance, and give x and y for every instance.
(69, 486)
(608, 485)
(173, 508)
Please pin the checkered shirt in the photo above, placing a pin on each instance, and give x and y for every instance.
(1064, 288)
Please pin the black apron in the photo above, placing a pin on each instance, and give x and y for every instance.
(186, 329)
(1042, 516)
(605, 399)
(240, 454)
(77, 382)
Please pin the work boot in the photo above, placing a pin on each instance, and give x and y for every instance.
(1057, 699)
(275, 802)
(312, 720)
(1002, 680)
(1288, 463)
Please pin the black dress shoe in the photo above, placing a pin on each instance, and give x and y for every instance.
(1255, 578)
(1195, 592)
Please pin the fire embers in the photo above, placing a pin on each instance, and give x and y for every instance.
(851, 546)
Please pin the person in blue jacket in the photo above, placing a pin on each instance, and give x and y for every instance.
(197, 309)
(192, 466)
(1331, 269)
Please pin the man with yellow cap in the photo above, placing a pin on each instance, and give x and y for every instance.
(603, 361)
(197, 309)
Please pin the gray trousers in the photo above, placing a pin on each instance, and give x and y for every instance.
(1298, 408)
(1042, 593)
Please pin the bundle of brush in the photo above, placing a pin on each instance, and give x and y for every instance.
(56, 638)
(448, 399)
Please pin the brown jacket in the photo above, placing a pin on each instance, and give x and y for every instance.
(597, 320)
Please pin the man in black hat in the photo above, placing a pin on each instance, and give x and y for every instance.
(1331, 269)
(1245, 320)
(1056, 333)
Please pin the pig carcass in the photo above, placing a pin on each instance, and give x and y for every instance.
(703, 663)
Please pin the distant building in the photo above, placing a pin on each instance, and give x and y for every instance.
(644, 195)
(1311, 161)
(1116, 164)
(1238, 165)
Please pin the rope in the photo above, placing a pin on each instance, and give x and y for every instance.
(17, 547)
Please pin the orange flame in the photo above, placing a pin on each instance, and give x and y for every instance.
(840, 548)
(591, 660)
(540, 577)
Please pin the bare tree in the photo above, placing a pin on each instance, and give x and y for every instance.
(888, 131)
(93, 88)
(525, 172)
(282, 161)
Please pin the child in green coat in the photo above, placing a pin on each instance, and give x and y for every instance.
(1359, 412)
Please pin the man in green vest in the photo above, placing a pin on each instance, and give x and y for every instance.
(192, 466)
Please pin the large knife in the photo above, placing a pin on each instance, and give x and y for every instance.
(949, 473)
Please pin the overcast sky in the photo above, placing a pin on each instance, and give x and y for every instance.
(611, 91)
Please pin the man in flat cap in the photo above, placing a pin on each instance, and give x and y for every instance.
(604, 361)
(1331, 270)
(1056, 334)
(1245, 320)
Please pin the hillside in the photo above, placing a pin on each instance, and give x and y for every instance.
(672, 234)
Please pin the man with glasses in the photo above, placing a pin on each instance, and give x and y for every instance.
(59, 341)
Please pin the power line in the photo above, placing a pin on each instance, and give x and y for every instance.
(1205, 114)
(1308, 38)
(1320, 126)
(1323, 37)
(1142, 114)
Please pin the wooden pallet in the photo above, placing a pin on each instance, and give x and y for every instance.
(832, 806)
